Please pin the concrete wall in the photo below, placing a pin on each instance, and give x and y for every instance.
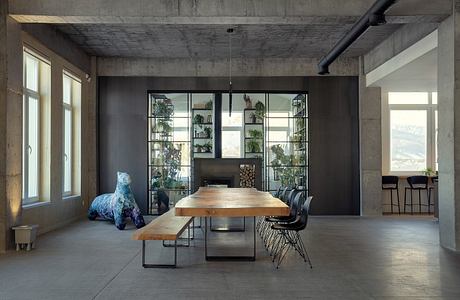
(449, 130)
(333, 109)
(57, 211)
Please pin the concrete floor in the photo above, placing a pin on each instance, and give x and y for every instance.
(353, 258)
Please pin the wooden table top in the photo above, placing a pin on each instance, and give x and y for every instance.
(230, 202)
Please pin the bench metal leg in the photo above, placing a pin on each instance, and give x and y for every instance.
(180, 245)
(159, 265)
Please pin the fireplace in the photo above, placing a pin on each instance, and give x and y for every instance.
(224, 171)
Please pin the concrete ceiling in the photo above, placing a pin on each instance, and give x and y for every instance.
(211, 41)
(420, 75)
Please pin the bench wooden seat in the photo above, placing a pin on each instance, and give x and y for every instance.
(167, 227)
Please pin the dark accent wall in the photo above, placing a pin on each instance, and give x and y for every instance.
(334, 133)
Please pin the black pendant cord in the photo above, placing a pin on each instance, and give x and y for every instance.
(230, 87)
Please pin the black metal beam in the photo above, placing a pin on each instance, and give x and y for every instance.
(373, 17)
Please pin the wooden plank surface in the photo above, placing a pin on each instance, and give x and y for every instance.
(231, 202)
(168, 226)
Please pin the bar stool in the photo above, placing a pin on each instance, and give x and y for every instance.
(417, 183)
(390, 183)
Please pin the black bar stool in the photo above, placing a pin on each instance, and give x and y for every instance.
(417, 183)
(390, 183)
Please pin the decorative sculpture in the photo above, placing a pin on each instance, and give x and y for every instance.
(117, 206)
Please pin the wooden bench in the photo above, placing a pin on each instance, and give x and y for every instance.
(167, 227)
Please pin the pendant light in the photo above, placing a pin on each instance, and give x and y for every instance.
(230, 31)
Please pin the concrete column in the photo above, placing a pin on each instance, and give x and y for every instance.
(370, 146)
(10, 125)
(449, 129)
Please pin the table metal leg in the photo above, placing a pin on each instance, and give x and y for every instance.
(228, 257)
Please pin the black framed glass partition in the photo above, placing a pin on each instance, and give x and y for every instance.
(184, 126)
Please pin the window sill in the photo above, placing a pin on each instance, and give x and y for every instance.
(35, 204)
(71, 197)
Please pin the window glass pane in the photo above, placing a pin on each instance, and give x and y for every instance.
(434, 98)
(31, 73)
(33, 146)
(408, 140)
(407, 98)
(231, 144)
(235, 120)
(67, 89)
(67, 150)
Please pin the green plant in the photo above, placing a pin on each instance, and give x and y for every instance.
(207, 147)
(162, 109)
(198, 147)
(429, 172)
(208, 104)
(164, 126)
(208, 131)
(253, 146)
(260, 110)
(282, 166)
(256, 134)
(198, 119)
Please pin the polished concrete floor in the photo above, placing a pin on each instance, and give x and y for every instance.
(353, 258)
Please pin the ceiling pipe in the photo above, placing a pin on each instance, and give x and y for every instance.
(375, 16)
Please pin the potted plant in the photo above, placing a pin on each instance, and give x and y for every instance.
(429, 172)
(207, 147)
(256, 134)
(260, 111)
(253, 146)
(208, 104)
(208, 131)
(198, 148)
(198, 119)
(162, 109)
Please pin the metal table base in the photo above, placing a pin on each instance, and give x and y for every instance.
(227, 257)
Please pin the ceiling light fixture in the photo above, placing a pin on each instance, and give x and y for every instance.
(230, 88)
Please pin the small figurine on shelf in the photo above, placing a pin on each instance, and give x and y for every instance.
(209, 119)
(248, 101)
(253, 117)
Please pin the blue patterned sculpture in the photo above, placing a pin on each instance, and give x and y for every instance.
(117, 206)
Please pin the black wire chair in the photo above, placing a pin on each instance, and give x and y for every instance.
(288, 236)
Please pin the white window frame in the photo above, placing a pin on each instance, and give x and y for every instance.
(431, 147)
(28, 93)
(68, 107)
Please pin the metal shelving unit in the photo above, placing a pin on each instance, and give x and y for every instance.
(168, 142)
(286, 160)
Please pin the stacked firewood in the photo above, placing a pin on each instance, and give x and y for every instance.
(247, 176)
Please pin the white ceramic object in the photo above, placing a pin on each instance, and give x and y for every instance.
(25, 236)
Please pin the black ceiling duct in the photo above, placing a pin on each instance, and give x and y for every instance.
(375, 16)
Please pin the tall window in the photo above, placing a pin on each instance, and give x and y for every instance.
(36, 128)
(410, 132)
(31, 129)
(70, 101)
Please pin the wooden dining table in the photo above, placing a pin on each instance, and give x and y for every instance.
(230, 202)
